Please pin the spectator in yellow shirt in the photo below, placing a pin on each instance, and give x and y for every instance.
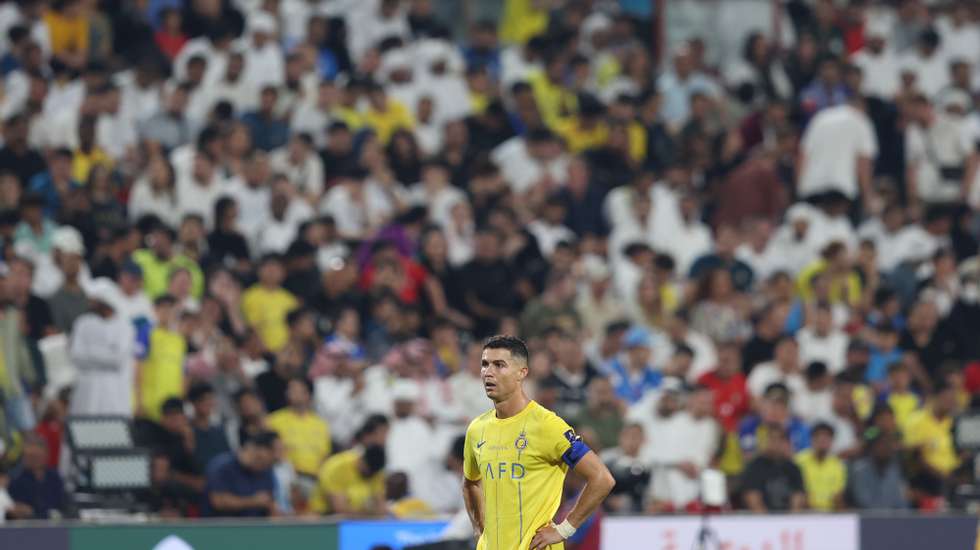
(554, 100)
(523, 19)
(929, 435)
(824, 475)
(401, 503)
(352, 483)
(161, 373)
(898, 397)
(89, 155)
(385, 115)
(835, 270)
(266, 304)
(160, 260)
(68, 30)
(587, 130)
(305, 435)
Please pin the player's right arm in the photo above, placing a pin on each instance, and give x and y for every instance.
(472, 487)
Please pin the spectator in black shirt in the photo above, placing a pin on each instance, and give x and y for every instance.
(250, 414)
(173, 438)
(16, 156)
(571, 372)
(272, 383)
(583, 201)
(226, 245)
(302, 275)
(209, 439)
(37, 314)
(339, 158)
(926, 340)
(772, 482)
(489, 296)
(762, 346)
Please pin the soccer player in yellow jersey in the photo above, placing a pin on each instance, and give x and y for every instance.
(515, 460)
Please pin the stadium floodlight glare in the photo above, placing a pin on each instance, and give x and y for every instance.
(128, 471)
(98, 433)
(966, 430)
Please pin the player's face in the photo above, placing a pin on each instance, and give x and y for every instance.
(501, 373)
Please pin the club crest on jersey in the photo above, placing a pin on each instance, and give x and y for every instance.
(521, 442)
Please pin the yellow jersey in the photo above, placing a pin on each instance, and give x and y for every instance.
(266, 311)
(823, 479)
(384, 123)
(305, 436)
(521, 462)
(340, 475)
(935, 437)
(162, 372)
(903, 405)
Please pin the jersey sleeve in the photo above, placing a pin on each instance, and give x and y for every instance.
(471, 467)
(561, 442)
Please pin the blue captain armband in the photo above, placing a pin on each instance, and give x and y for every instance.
(576, 451)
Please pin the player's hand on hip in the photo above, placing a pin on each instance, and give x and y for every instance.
(545, 537)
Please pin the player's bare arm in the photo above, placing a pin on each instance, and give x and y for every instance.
(599, 483)
(473, 498)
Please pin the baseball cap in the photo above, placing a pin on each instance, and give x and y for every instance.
(637, 337)
(68, 240)
(132, 268)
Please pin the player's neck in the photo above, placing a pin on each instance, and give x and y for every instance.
(512, 405)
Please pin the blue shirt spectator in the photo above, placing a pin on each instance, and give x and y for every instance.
(632, 375)
(268, 130)
(35, 485)
(678, 85)
(54, 184)
(243, 485)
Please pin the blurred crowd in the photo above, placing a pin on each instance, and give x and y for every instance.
(737, 235)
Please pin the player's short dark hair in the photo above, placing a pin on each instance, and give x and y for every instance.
(374, 458)
(513, 344)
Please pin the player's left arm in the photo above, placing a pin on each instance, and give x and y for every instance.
(598, 484)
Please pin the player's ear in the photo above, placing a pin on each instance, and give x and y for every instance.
(522, 374)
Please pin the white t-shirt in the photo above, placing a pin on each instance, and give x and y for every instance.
(961, 42)
(548, 236)
(520, 170)
(355, 218)
(911, 243)
(880, 71)
(931, 149)
(812, 406)
(194, 198)
(830, 349)
(265, 66)
(931, 73)
(276, 235)
(306, 175)
(143, 201)
(833, 142)
(768, 373)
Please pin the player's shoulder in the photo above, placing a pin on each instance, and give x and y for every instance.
(480, 420)
(545, 416)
